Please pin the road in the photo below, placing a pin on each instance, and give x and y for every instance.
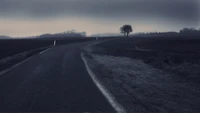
(54, 81)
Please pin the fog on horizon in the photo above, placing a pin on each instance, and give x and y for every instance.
(35, 17)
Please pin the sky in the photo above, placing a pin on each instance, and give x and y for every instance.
(34, 17)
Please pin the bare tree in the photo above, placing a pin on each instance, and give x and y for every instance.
(126, 30)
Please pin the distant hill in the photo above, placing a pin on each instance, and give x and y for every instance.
(5, 37)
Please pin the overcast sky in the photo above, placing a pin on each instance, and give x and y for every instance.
(34, 17)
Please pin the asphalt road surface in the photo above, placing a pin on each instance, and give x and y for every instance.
(54, 81)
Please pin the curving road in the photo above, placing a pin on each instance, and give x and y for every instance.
(54, 81)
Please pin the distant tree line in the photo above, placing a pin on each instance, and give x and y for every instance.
(71, 33)
(189, 31)
(159, 33)
(183, 32)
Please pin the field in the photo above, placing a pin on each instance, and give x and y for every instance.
(181, 56)
(9, 47)
(153, 74)
(13, 51)
(12, 47)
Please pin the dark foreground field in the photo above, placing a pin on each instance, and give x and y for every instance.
(180, 56)
(9, 47)
(13, 51)
(14, 46)
(149, 74)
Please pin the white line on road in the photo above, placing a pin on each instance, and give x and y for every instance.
(118, 108)
(14, 66)
(44, 51)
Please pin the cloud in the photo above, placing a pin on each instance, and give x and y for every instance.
(184, 10)
(33, 17)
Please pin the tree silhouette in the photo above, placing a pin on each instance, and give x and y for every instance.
(188, 31)
(126, 30)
